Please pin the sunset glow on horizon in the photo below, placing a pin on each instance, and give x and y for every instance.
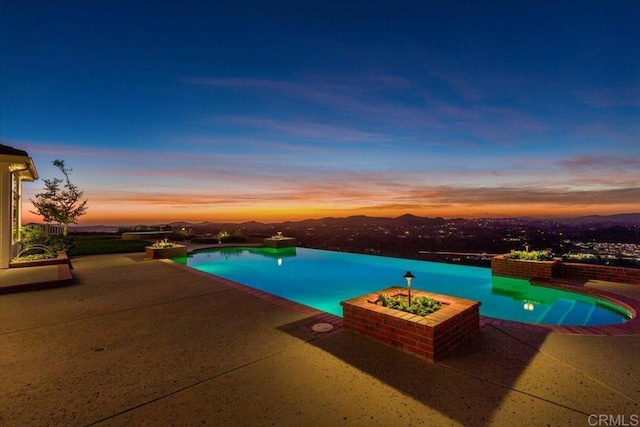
(208, 111)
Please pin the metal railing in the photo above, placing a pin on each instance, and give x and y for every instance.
(50, 229)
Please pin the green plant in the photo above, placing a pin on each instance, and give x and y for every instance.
(37, 244)
(102, 245)
(60, 243)
(530, 255)
(422, 306)
(31, 235)
(235, 237)
(34, 257)
(163, 244)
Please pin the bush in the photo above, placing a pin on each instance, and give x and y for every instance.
(31, 235)
(530, 255)
(37, 244)
(35, 257)
(233, 239)
(422, 306)
(107, 246)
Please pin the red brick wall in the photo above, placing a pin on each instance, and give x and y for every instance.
(501, 266)
(586, 272)
(176, 251)
(454, 332)
(391, 331)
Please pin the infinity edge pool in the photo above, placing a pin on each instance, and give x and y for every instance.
(619, 302)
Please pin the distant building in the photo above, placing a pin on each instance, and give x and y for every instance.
(15, 167)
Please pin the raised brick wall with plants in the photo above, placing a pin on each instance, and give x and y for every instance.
(283, 242)
(431, 337)
(173, 252)
(501, 266)
(558, 269)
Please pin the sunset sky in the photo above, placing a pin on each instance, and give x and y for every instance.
(278, 110)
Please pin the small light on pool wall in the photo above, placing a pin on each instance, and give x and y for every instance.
(528, 305)
(408, 276)
(279, 261)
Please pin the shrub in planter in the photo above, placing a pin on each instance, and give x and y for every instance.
(163, 244)
(37, 244)
(530, 255)
(422, 306)
(165, 249)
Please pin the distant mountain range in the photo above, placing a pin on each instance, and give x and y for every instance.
(362, 220)
(628, 218)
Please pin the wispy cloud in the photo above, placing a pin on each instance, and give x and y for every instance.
(521, 201)
(366, 101)
(610, 162)
(294, 89)
(56, 149)
(462, 85)
(608, 97)
(306, 129)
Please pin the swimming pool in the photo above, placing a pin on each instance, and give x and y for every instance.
(321, 279)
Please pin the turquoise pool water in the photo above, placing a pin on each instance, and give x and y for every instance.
(321, 279)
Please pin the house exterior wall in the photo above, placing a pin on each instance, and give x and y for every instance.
(10, 213)
(6, 244)
(14, 169)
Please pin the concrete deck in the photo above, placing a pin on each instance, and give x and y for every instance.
(149, 342)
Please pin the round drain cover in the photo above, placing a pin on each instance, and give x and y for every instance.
(322, 327)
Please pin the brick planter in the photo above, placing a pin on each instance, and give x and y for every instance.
(62, 258)
(524, 269)
(558, 269)
(173, 252)
(283, 242)
(431, 337)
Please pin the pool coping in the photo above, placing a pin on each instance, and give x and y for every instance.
(630, 327)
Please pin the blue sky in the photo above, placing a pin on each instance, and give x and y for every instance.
(223, 111)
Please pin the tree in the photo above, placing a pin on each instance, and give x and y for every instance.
(61, 205)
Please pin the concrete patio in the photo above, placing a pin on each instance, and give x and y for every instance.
(150, 342)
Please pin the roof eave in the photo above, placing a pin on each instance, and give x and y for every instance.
(22, 166)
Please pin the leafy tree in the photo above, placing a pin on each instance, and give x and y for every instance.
(61, 205)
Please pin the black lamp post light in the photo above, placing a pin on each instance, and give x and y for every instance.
(408, 276)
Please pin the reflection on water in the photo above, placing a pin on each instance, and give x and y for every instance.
(556, 305)
(239, 252)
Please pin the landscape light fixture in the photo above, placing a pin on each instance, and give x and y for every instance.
(408, 276)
